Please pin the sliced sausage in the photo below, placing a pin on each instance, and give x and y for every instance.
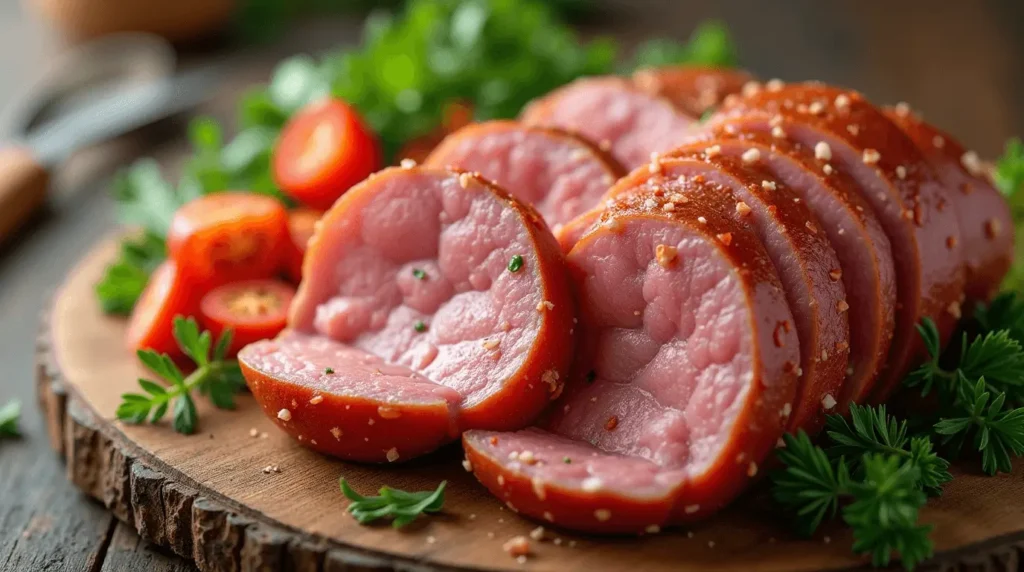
(804, 260)
(694, 90)
(986, 225)
(861, 246)
(906, 195)
(560, 174)
(685, 375)
(456, 285)
(615, 114)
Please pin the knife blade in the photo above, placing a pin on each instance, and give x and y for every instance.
(119, 111)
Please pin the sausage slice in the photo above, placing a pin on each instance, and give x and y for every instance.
(432, 302)
(686, 375)
(899, 183)
(694, 90)
(560, 174)
(986, 225)
(615, 114)
(861, 246)
(804, 259)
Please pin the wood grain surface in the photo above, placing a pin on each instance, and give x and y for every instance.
(958, 62)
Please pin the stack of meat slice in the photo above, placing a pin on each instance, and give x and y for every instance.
(758, 269)
(766, 270)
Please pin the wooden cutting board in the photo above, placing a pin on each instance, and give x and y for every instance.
(207, 498)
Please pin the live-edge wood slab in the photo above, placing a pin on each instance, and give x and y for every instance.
(207, 498)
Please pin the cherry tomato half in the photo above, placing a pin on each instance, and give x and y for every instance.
(323, 150)
(254, 309)
(230, 236)
(301, 225)
(167, 295)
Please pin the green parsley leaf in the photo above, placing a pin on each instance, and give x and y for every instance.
(1009, 175)
(809, 487)
(126, 278)
(218, 378)
(994, 430)
(884, 512)
(710, 45)
(1004, 312)
(403, 507)
(10, 414)
(516, 264)
(872, 430)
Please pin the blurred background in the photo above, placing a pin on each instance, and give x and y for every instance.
(961, 64)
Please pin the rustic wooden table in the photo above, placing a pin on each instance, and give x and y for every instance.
(960, 63)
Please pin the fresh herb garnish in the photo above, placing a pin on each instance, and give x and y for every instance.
(980, 400)
(877, 473)
(419, 274)
(709, 45)
(1009, 178)
(215, 376)
(10, 415)
(403, 507)
(516, 264)
(419, 326)
(871, 430)
(882, 498)
(125, 279)
(329, 370)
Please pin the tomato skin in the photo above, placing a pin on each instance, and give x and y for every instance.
(323, 150)
(254, 310)
(228, 236)
(168, 294)
(301, 225)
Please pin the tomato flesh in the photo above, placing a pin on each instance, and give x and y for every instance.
(323, 150)
(229, 236)
(254, 310)
(301, 225)
(167, 295)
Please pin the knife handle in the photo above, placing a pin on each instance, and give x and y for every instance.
(23, 185)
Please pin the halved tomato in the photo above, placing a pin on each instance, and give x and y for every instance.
(301, 225)
(323, 150)
(254, 309)
(167, 295)
(229, 236)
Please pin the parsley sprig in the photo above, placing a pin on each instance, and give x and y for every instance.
(981, 398)
(215, 376)
(879, 476)
(1009, 178)
(877, 472)
(10, 414)
(403, 507)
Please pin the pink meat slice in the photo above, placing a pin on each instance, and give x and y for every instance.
(683, 383)
(442, 277)
(616, 115)
(804, 259)
(895, 178)
(559, 173)
(861, 246)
